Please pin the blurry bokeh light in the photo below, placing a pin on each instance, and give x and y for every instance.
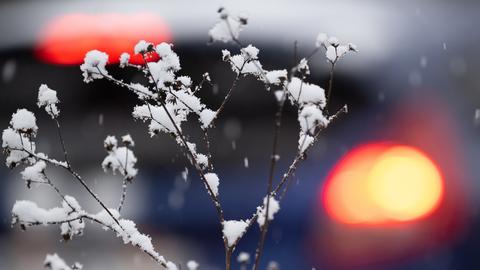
(66, 39)
(382, 183)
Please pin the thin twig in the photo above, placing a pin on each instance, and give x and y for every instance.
(330, 86)
(206, 139)
(273, 162)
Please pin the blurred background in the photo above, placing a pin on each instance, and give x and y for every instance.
(414, 83)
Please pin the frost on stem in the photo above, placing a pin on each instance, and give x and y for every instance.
(228, 28)
(69, 216)
(274, 207)
(120, 159)
(54, 262)
(143, 92)
(48, 98)
(233, 230)
(213, 181)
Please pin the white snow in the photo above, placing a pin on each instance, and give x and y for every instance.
(213, 182)
(142, 91)
(127, 140)
(24, 121)
(26, 212)
(35, 172)
(233, 230)
(142, 47)
(171, 266)
(120, 159)
(276, 77)
(185, 80)
(274, 207)
(169, 58)
(333, 41)
(250, 52)
(159, 120)
(322, 40)
(93, 66)
(334, 51)
(186, 101)
(243, 65)
(54, 262)
(206, 117)
(124, 59)
(162, 74)
(303, 66)
(110, 142)
(310, 118)
(12, 142)
(227, 28)
(130, 235)
(342, 50)
(226, 55)
(105, 218)
(48, 98)
(352, 47)
(304, 141)
(202, 160)
(331, 54)
(303, 92)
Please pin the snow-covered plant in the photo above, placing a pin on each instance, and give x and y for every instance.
(165, 103)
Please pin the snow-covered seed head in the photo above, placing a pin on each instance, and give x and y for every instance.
(303, 67)
(77, 266)
(127, 140)
(110, 143)
(322, 40)
(223, 13)
(93, 66)
(48, 98)
(226, 55)
(206, 77)
(334, 41)
(352, 47)
(124, 59)
(243, 19)
(143, 47)
(24, 121)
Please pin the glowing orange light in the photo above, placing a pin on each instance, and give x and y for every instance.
(383, 183)
(66, 39)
